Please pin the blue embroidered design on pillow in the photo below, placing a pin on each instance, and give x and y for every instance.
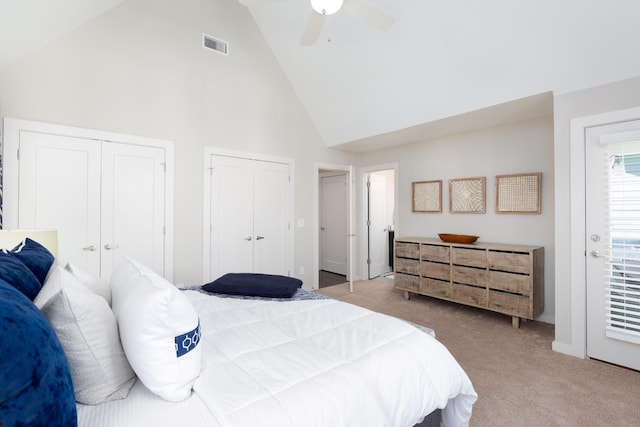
(187, 342)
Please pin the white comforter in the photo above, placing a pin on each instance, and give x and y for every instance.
(303, 363)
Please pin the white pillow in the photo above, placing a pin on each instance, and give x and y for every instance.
(88, 332)
(154, 317)
(96, 284)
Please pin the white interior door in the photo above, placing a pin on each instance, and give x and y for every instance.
(613, 243)
(62, 179)
(249, 217)
(59, 187)
(377, 225)
(333, 224)
(271, 217)
(133, 217)
(231, 222)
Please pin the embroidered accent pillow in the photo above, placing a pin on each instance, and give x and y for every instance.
(159, 329)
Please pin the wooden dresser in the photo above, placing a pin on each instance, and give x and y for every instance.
(508, 279)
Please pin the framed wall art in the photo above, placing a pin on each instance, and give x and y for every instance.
(518, 193)
(467, 195)
(426, 196)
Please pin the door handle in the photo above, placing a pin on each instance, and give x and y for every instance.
(248, 238)
(598, 254)
(110, 247)
(89, 248)
(259, 237)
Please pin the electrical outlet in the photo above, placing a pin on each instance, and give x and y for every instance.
(301, 270)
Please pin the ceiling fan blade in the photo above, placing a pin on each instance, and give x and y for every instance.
(369, 14)
(312, 30)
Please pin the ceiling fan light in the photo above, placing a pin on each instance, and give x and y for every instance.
(326, 7)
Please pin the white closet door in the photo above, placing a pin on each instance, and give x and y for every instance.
(133, 217)
(231, 222)
(271, 190)
(59, 181)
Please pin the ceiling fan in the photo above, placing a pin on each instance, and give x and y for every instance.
(368, 13)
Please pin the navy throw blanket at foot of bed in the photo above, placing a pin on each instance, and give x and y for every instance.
(254, 284)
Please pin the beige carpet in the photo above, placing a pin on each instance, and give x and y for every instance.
(520, 381)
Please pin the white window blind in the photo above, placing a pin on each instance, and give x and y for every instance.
(622, 279)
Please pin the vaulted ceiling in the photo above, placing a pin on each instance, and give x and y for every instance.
(442, 67)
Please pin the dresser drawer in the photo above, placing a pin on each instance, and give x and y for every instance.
(517, 283)
(433, 287)
(512, 304)
(435, 270)
(469, 276)
(408, 250)
(406, 282)
(435, 253)
(469, 257)
(410, 266)
(515, 262)
(470, 295)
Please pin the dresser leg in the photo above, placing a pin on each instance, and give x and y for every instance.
(515, 322)
(407, 295)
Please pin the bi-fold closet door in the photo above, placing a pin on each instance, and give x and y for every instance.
(249, 205)
(106, 199)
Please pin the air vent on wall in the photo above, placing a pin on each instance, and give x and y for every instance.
(213, 43)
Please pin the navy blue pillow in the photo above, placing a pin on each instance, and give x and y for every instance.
(35, 382)
(35, 256)
(14, 272)
(254, 284)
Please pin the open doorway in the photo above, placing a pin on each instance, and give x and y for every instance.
(333, 227)
(379, 210)
(334, 222)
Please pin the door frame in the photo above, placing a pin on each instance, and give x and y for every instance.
(11, 164)
(578, 232)
(315, 221)
(364, 242)
(206, 207)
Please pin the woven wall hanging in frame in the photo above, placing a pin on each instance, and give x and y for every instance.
(467, 195)
(518, 193)
(426, 196)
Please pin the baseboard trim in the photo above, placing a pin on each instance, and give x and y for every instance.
(567, 349)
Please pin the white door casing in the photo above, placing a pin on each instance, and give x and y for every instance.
(333, 224)
(604, 229)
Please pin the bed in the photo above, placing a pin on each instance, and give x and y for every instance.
(302, 361)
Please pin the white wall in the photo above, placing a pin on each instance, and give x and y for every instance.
(520, 147)
(140, 69)
(570, 334)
